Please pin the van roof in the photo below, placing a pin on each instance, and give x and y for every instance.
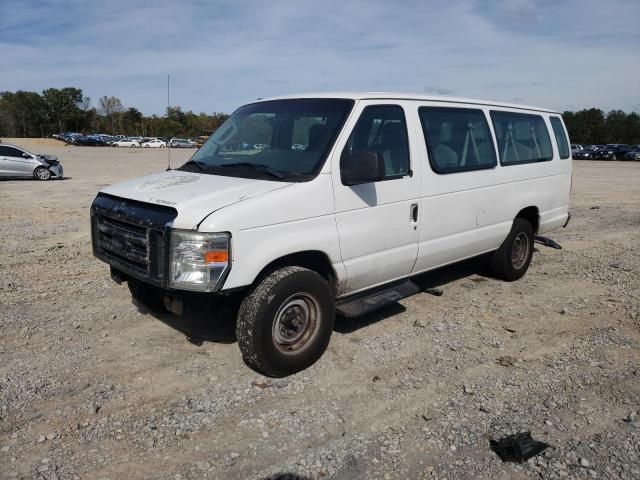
(407, 96)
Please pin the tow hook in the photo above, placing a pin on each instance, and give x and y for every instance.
(547, 242)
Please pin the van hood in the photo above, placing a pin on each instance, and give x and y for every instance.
(193, 195)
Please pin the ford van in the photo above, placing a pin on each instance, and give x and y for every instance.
(303, 207)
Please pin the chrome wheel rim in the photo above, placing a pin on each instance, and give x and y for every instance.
(296, 324)
(42, 174)
(520, 251)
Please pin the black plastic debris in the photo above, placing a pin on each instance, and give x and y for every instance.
(547, 242)
(517, 448)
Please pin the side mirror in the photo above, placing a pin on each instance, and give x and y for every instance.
(362, 167)
(26, 155)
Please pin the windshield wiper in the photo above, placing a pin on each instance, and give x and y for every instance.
(256, 166)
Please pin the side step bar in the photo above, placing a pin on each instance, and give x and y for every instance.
(365, 302)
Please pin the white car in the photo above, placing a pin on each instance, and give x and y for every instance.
(154, 143)
(126, 142)
(389, 186)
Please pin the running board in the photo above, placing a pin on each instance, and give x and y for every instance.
(371, 300)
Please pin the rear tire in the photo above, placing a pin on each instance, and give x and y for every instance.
(511, 261)
(285, 322)
(42, 173)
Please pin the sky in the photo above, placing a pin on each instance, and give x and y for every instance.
(559, 54)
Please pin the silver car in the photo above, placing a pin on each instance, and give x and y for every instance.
(17, 162)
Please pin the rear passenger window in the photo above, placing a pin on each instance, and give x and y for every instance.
(521, 138)
(458, 139)
(381, 129)
(10, 151)
(561, 138)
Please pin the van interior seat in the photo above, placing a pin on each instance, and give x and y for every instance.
(394, 148)
(445, 156)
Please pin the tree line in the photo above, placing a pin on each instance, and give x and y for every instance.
(593, 126)
(32, 114)
(56, 110)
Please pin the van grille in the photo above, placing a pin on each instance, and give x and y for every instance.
(124, 242)
(132, 236)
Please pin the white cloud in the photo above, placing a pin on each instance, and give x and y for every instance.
(570, 54)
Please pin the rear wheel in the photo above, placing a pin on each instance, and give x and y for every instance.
(285, 323)
(511, 261)
(42, 173)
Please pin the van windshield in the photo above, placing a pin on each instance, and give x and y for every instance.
(282, 140)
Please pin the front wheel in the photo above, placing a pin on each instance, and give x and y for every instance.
(42, 173)
(285, 322)
(511, 261)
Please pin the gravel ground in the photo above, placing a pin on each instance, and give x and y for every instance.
(92, 386)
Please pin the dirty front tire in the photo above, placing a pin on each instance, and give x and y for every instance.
(285, 322)
(511, 261)
(147, 296)
(42, 173)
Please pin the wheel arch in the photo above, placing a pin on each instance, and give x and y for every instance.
(314, 260)
(532, 215)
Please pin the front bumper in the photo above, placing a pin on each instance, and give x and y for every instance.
(56, 171)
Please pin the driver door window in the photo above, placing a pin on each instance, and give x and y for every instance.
(381, 130)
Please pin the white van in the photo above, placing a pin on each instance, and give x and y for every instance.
(301, 206)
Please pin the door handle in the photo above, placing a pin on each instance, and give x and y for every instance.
(414, 212)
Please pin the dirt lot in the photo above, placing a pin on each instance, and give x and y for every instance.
(93, 387)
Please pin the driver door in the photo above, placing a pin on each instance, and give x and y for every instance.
(377, 221)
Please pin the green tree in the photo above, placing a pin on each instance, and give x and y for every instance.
(586, 126)
(615, 124)
(632, 129)
(132, 121)
(111, 108)
(24, 113)
(64, 107)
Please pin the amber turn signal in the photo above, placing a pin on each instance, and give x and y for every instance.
(216, 257)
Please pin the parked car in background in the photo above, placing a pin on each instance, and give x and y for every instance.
(633, 154)
(69, 137)
(614, 151)
(89, 142)
(586, 153)
(154, 143)
(17, 162)
(201, 140)
(181, 143)
(126, 142)
(575, 147)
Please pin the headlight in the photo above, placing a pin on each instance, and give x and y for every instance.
(199, 261)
